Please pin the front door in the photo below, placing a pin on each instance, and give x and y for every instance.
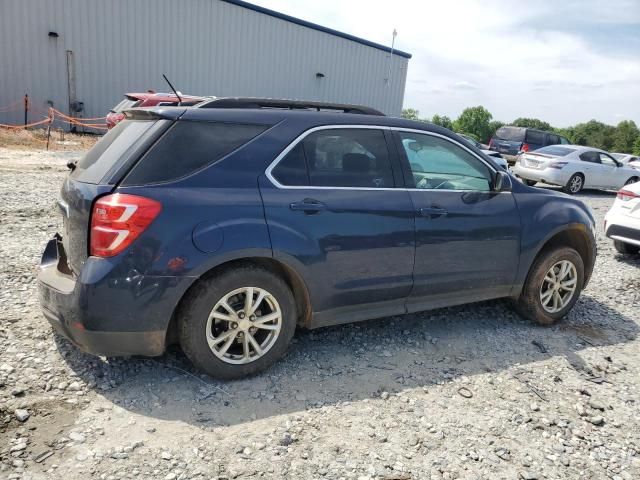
(467, 236)
(335, 215)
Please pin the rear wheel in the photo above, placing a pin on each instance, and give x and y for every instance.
(552, 287)
(575, 184)
(625, 248)
(237, 323)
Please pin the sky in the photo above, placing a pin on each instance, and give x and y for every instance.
(563, 61)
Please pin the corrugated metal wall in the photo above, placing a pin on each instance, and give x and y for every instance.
(206, 47)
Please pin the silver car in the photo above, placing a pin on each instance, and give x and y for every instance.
(574, 167)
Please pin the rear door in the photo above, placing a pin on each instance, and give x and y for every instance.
(335, 214)
(467, 236)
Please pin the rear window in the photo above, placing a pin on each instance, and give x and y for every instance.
(535, 137)
(555, 150)
(125, 104)
(189, 146)
(110, 151)
(511, 134)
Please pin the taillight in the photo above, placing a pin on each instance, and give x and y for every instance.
(525, 147)
(557, 165)
(117, 220)
(626, 195)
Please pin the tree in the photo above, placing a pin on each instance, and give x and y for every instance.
(636, 146)
(625, 135)
(594, 134)
(474, 120)
(532, 123)
(443, 121)
(410, 114)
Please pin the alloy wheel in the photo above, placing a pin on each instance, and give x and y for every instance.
(244, 325)
(558, 286)
(576, 184)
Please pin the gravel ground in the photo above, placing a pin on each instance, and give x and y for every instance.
(471, 392)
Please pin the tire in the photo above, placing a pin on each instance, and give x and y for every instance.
(194, 322)
(531, 183)
(625, 248)
(530, 305)
(575, 184)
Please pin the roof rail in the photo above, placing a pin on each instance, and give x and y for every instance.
(249, 102)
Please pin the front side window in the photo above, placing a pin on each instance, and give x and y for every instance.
(437, 163)
(553, 140)
(607, 160)
(564, 141)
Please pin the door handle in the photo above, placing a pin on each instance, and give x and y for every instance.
(308, 205)
(434, 211)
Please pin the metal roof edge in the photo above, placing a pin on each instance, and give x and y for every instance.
(315, 26)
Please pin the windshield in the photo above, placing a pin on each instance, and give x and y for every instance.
(555, 150)
(618, 156)
(512, 134)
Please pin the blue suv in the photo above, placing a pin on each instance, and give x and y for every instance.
(224, 228)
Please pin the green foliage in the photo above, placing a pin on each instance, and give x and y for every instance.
(594, 134)
(442, 121)
(477, 122)
(532, 123)
(625, 135)
(410, 114)
(474, 120)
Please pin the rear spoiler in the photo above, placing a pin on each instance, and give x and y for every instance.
(163, 113)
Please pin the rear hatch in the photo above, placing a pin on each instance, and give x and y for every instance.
(97, 174)
(508, 140)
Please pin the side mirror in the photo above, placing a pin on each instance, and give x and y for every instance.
(502, 182)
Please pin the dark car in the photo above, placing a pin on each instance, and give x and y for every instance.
(223, 229)
(513, 140)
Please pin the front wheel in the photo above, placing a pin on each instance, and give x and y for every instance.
(625, 248)
(631, 181)
(552, 287)
(238, 322)
(575, 184)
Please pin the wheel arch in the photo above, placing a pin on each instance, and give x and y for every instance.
(286, 272)
(574, 236)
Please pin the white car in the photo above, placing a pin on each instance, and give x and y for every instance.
(574, 167)
(622, 222)
(625, 158)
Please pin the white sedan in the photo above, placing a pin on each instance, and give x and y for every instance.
(622, 222)
(574, 167)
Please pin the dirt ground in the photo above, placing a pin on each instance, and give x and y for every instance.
(472, 392)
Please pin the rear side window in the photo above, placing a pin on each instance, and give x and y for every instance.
(555, 150)
(110, 150)
(292, 169)
(592, 157)
(535, 137)
(511, 134)
(190, 146)
(553, 140)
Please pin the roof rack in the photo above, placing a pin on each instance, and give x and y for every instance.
(249, 102)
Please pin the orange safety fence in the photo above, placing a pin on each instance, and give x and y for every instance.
(12, 107)
(56, 115)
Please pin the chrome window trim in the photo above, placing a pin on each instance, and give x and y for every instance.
(303, 135)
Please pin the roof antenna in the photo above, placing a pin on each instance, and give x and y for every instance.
(174, 90)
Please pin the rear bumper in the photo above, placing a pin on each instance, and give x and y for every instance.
(623, 228)
(103, 312)
(551, 176)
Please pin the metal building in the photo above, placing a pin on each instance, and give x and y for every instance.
(90, 52)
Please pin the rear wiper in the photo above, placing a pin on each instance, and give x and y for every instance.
(72, 165)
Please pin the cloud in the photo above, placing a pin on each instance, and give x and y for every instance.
(564, 62)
